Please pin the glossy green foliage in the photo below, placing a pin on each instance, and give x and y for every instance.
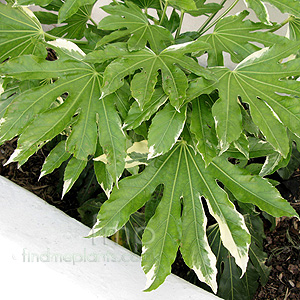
(168, 129)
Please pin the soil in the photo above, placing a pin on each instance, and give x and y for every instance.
(282, 244)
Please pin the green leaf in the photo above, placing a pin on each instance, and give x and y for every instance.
(112, 137)
(174, 80)
(260, 81)
(20, 33)
(258, 258)
(250, 189)
(294, 29)
(88, 211)
(55, 158)
(287, 171)
(130, 236)
(70, 7)
(136, 116)
(286, 6)
(137, 25)
(236, 37)
(146, 3)
(103, 177)
(165, 129)
(202, 126)
(123, 100)
(75, 25)
(242, 144)
(256, 254)
(260, 10)
(82, 83)
(72, 172)
(183, 4)
(183, 174)
(231, 285)
(33, 2)
(203, 8)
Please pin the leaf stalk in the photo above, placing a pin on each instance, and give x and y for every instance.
(180, 24)
(164, 12)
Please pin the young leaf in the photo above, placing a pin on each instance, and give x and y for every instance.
(260, 81)
(122, 99)
(174, 80)
(55, 158)
(137, 25)
(20, 32)
(112, 137)
(136, 116)
(70, 7)
(236, 37)
(242, 144)
(202, 126)
(165, 129)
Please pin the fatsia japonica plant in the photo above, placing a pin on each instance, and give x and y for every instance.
(130, 93)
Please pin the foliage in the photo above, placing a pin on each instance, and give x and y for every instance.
(128, 96)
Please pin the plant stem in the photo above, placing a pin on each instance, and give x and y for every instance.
(209, 19)
(164, 12)
(152, 19)
(52, 37)
(180, 24)
(277, 27)
(94, 23)
(161, 5)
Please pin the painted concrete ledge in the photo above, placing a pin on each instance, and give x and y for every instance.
(44, 255)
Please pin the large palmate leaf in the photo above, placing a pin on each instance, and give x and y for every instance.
(73, 27)
(184, 174)
(261, 81)
(82, 83)
(174, 80)
(237, 37)
(70, 7)
(131, 17)
(20, 32)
